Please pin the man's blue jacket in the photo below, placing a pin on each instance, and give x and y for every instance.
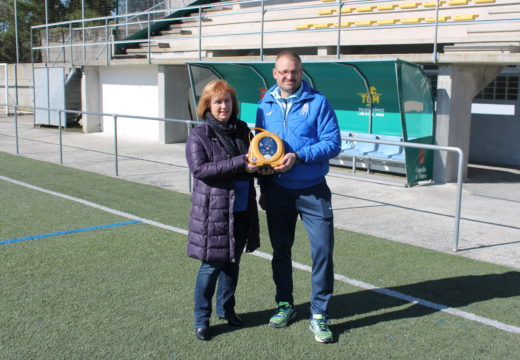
(310, 130)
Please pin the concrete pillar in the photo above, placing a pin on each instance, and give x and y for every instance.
(174, 94)
(457, 85)
(91, 99)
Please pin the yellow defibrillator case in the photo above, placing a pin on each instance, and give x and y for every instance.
(265, 149)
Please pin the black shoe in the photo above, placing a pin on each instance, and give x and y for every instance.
(202, 334)
(233, 320)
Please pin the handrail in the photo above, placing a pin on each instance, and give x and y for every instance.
(6, 85)
(262, 10)
(148, 10)
(222, 4)
(190, 123)
(460, 166)
(113, 42)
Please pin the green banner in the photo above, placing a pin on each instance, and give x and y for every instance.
(419, 162)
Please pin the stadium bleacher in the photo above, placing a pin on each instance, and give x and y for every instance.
(325, 22)
(401, 10)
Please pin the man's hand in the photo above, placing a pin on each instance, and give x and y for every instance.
(266, 170)
(288, 162)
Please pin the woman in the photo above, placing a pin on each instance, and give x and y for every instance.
(224, 215)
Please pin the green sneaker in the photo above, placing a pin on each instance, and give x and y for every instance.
(320, 328)
(283, 315)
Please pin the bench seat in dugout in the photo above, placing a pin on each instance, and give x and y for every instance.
(360, 148)
(378, 156)
(386, 151)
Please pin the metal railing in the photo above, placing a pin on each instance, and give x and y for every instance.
(61, 112)
(6, 86)
(460, 166)
(191, 123)
(260, 7)
(131, 17)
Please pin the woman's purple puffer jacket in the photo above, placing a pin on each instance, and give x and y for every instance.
(210, 236)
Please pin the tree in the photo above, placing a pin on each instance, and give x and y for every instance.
(93, 8)
(31, 13)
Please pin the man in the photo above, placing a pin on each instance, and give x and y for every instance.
(302, 117)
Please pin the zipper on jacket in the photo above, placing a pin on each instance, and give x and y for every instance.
(284, 109)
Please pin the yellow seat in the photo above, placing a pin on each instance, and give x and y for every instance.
(322, 25)
(346, 10)
(365, 8)
(386, 7)
(303, 26)
(440, 19)
(413, 20)
(328, 1)
(433, 3)
(387, 22)
(327, 12)
(343, 24)
(467, 17)
(409, 5)
(457, 2)
(483, 1)
(364, 23)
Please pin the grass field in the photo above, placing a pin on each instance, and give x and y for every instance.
(126, 292)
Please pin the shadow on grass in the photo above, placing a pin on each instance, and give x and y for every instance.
(453, 292)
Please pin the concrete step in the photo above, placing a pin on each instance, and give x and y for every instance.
(143, 49)
(174, 31)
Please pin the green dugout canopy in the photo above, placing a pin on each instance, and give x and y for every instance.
(382, 97)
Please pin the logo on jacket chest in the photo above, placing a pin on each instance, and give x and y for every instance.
(305, 109)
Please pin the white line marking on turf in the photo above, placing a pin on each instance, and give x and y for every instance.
(408, 298)
(357, 283)
(97, 206)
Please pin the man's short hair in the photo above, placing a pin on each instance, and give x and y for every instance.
(290, 54)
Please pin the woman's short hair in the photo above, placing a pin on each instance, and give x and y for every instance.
(216, 87)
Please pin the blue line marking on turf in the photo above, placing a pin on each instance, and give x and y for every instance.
(11, 241)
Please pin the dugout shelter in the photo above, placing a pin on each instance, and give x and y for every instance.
(386, 100)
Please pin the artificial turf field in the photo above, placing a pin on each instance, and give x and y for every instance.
(126, 291)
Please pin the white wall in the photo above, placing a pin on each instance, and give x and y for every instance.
(25, 86)
(174, 86)
(131, 90)
(91, 99)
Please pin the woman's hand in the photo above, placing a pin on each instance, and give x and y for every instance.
(263, 170)
(250, 168)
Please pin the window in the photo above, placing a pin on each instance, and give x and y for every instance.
(431, 71)
(433, 84)
(502, 88)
